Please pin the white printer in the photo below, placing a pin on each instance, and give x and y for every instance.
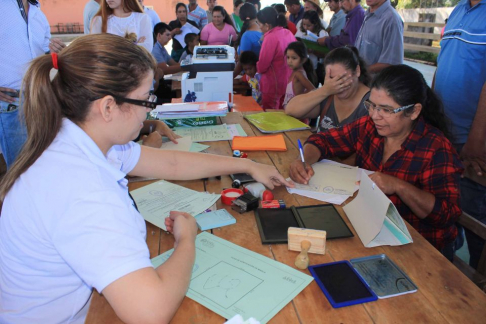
(209, 74)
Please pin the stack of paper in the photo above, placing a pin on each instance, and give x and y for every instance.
(191, 110)
(275, 122)
(157, 200)
(332, 182)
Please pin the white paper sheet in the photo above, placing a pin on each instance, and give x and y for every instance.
(157, 200)
(186, 29)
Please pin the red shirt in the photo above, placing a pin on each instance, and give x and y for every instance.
(291, 27)
(426, 159)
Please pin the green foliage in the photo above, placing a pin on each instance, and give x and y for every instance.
(413, 4)
(422, 56)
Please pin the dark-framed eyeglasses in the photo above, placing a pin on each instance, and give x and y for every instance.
(150, 103)
(382, 110)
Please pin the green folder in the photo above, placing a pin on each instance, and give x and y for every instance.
(314, 46)
(275, 122)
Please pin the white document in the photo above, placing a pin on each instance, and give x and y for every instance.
(230, 280)
(312, 35)
(183, 144)
(186, 29)
(157, 200)
(375, 218)
(236, 130)
(205, 133)
(332, 182)
(176, 107)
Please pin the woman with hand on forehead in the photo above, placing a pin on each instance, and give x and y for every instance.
(404, 139)
(79, 230)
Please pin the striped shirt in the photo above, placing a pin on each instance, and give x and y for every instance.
(426, 160)
(199, 16)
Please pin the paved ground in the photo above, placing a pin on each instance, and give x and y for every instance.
(427, 70)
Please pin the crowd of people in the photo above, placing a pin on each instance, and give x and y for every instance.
(79, 123)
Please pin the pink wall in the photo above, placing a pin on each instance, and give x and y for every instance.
(71, 11)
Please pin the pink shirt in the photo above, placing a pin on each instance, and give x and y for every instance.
(273, 66)
(214, 36)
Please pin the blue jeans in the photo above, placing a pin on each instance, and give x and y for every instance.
(13, 133)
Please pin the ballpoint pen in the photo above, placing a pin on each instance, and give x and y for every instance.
(301, 149)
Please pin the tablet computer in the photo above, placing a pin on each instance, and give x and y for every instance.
(341, 284)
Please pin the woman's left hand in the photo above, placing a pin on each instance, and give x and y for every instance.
(269, 176)
(387, 183)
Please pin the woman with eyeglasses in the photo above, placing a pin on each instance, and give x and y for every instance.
(68, 224)
(404, 139)
(340, 100)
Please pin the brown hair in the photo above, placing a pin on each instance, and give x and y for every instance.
(105, 11)
(92, 67)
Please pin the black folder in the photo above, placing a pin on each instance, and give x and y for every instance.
(273, 223)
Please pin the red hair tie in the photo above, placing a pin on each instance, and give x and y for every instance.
(54, 60)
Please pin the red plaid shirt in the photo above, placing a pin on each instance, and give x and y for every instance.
(427, 160)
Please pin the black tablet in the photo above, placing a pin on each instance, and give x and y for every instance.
(341, 284)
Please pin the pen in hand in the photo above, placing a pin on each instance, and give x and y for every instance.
(301, 149)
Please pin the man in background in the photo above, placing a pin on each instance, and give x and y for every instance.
(22, 45)
(354, 19)
(211, 4)
(295, 9)
(90, 10)
(380, 40)
(460, 82)
(154, 17)
(197, 14)
(338, 18)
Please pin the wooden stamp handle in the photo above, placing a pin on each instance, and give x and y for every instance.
(302, 260)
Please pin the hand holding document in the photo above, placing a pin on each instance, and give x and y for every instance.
(332, 182)
(157, 200)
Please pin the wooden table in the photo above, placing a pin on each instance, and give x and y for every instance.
(444, 294)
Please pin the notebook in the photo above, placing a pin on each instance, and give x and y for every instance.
(275, 122)
(259, 143)
(273, 224)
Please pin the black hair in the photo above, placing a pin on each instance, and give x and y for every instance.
(255, 2)
(280, 7)
(190, 37)
(407, 86)
(348, 56)
(237, 3)
(180, 4)
(226, 18)
(269, 15)
(248, 57)
(247, 13)
(33, 2)
(301, 50)
(292, 2)
(160, 28)
(314, 19)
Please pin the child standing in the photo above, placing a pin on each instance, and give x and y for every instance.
(191, 40)
(311, 23)
(248, 61)
(303, 75)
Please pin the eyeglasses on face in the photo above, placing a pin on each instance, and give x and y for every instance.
(151, 103)
(382, 110)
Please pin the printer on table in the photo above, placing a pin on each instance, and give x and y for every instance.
(209, 75)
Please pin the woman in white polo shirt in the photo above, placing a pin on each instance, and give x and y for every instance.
(68, 224)
(124, 18)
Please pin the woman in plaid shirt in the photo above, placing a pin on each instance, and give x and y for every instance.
(404, 139)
